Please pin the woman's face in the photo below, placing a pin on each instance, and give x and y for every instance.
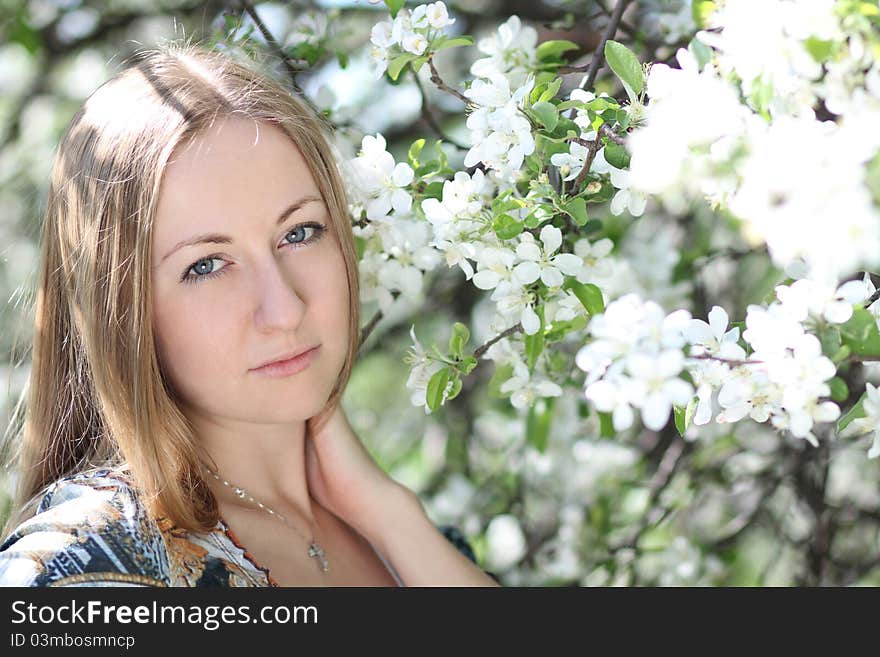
(277, 285)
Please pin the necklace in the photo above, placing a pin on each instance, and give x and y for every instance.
(315, 550)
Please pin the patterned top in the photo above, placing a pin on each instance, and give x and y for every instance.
(90, 529)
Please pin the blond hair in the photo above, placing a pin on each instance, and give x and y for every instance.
(96, 396)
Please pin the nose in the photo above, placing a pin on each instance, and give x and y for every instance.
(280, 305)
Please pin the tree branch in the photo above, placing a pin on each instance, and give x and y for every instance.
(437, 80)
(593, 148)
(484, 348)
(429, 117)
(599, 55)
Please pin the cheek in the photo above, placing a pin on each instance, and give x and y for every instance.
(333, 295)
(188, 342)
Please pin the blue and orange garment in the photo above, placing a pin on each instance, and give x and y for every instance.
(90, 529)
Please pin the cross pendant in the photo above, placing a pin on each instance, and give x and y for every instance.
(316, 551)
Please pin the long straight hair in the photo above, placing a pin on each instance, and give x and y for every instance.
(96, 395)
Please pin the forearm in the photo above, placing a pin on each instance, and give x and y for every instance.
(418, 551)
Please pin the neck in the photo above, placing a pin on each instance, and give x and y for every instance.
(267, 461)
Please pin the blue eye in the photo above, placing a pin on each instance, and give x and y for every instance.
(202, 272)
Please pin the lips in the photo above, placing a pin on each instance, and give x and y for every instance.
(282, 357)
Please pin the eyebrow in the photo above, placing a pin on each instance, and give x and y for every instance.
(216, 238)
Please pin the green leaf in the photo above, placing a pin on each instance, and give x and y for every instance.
(592, 226)
(625, 65)
(307, 51)
(856, 412)
(456, 42)
(588, 294)
(547, 114)
(460, 336)
(506, 227)
(839, 389)
(428, 168)
(868, 9)
(569, 104)
(414, 151)
(577, 210)
(360, 244)
(455, 389)
(394, 6)
(532, 220)
(551, 91)
(434, 190)
(467, 364)
(436, 387)
(538, 423)
(762, 94)
(397, 64)
(685, 415)
(537, 90)
(562, 328)
(701, 10)
(501, 374)
(441, 155)
(829, 338)
(418, 62)
(860, 333)
(534, 163)
(566, 128)
(606, 425)
(535, 343)
(701, 52)
(342, 57)
(819, 48)
(551, 50)
(605, 193)
(601, 104)
(616, 155)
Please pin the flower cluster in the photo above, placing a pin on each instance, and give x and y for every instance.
(571, 164)
(396, 246)
(509, 52)
(409, 32)
(770, 160)
(501, 134)
(726, 125)
(783, 379)
(635, 361)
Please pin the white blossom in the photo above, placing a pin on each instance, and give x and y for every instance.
(380, 182)
(870, 423)
(525, 388)
(511, 51)
(538, 262)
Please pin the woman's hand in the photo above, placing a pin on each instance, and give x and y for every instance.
(344, 478)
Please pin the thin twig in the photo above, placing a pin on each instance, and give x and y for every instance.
(593, 148)
(365, 332)
(429, 117)
(599, 55)
(629, 29)
(437, 80)
(279, 52)
(273, 43)
(484, 348)
(729, 361)
(668, 465)
(574, 68)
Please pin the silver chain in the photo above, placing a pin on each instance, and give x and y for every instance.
(315, 550)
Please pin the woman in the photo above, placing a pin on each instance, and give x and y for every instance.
(197, 229)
